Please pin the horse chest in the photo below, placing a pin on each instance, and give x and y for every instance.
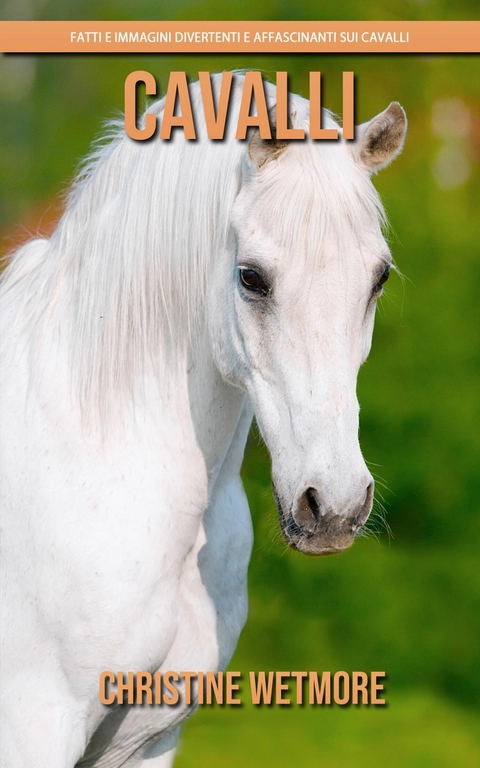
(208, 614)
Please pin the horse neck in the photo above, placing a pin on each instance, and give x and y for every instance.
(216, 408)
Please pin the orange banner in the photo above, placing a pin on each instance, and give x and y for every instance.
(239, 36)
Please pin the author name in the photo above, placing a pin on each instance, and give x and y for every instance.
(170, 688)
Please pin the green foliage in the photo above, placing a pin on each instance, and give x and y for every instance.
(418, 731)
(409, 604)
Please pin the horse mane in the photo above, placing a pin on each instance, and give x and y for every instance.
(125, 271)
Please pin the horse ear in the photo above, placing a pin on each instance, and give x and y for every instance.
(261, 150)
(381, 139)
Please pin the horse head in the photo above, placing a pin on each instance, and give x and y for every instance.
(294, 322)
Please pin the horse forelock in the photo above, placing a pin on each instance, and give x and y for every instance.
(315, 195)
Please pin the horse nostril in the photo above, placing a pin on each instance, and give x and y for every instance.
(313, 503)
(307, 513)
(362, 515)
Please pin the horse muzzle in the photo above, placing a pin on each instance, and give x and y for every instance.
(315, 527)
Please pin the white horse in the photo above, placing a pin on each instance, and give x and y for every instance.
(188, 286)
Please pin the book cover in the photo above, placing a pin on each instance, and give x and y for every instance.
(189, 242)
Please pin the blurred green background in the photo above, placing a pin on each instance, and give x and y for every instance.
(408, 603)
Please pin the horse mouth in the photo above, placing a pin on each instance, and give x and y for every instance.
(330, 537)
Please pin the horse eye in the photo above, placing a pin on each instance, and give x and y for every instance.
(252, 281)
(383, 279)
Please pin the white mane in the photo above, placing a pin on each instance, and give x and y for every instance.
(125, 271)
